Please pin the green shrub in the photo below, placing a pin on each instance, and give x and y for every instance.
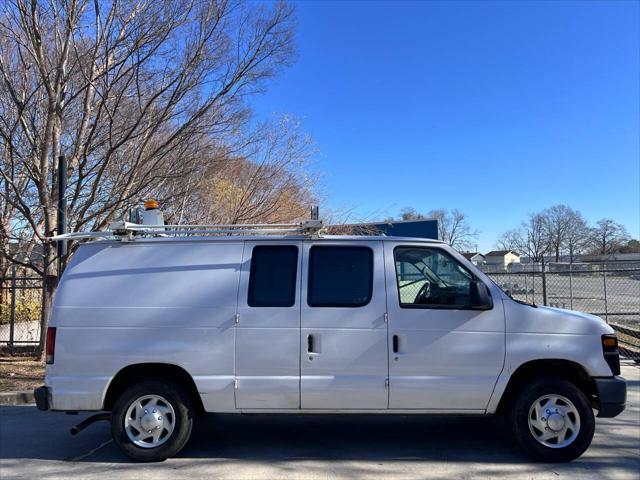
(27, 309)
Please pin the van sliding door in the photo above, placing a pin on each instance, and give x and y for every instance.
(344, 358)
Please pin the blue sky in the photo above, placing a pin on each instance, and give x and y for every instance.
(496, 108)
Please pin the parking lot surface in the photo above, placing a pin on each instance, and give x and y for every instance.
(37, 444)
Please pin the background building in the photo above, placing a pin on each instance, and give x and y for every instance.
(501, 259)
(475, 257)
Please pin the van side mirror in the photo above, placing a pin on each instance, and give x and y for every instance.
(479, 296)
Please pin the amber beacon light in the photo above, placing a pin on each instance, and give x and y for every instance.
(150, 204)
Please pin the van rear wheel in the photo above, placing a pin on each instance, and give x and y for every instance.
(152, 420)
(552, 420)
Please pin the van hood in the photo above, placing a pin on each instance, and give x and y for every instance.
(572, 313)
(553, 320)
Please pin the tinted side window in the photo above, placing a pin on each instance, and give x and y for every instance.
(272, 281)
(429, 277)
(340, 276)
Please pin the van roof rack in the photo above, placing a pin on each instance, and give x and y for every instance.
(127, 231)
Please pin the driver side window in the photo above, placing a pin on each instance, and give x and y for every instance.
(431, 278)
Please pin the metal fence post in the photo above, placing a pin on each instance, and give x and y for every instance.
(12, 317)
(571, 286)
(533, 281)
(604, 280)
(544, 286)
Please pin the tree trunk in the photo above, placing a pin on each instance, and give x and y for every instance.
(49, 278)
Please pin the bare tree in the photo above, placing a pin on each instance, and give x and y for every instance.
(131, 92)
(266, 181)
(577, 235)
(561, 229)
(557, 222)
(510, 240)
(9, 221)
(608, 236)
(454, 228)
(530, 239)
(410, 213)
(566, 230)
(534, 239)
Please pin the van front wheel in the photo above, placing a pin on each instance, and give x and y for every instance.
(552, 420)
(152, 420)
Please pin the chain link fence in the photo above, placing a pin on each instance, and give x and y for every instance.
(20, 309)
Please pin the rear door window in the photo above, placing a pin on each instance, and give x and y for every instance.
(272, 280)
(340, 276)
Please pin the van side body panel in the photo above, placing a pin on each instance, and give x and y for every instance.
(126, 304)
(545, 333)
(175, 302)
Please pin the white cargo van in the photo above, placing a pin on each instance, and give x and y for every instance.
(153, 331)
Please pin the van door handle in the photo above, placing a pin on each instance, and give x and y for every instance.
(396, 343)
(309, 343)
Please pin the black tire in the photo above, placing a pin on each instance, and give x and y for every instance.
(519, 420)
(184, 414)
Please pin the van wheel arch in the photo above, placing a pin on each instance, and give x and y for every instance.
(546, 368)
(144, 371)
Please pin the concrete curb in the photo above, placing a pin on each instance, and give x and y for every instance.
(17, 398)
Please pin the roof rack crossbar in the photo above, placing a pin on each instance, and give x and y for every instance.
(224, 226)
(224, 230)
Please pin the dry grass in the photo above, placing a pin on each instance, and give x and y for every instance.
(20, 373)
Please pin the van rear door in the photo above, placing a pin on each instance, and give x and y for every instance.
(268, 328)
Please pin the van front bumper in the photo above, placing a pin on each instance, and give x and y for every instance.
(612, 395)
(41, 395)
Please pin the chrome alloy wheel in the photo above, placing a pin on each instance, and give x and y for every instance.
(554, 421)
(149, 421)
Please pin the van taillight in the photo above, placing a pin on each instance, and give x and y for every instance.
(51, 345)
